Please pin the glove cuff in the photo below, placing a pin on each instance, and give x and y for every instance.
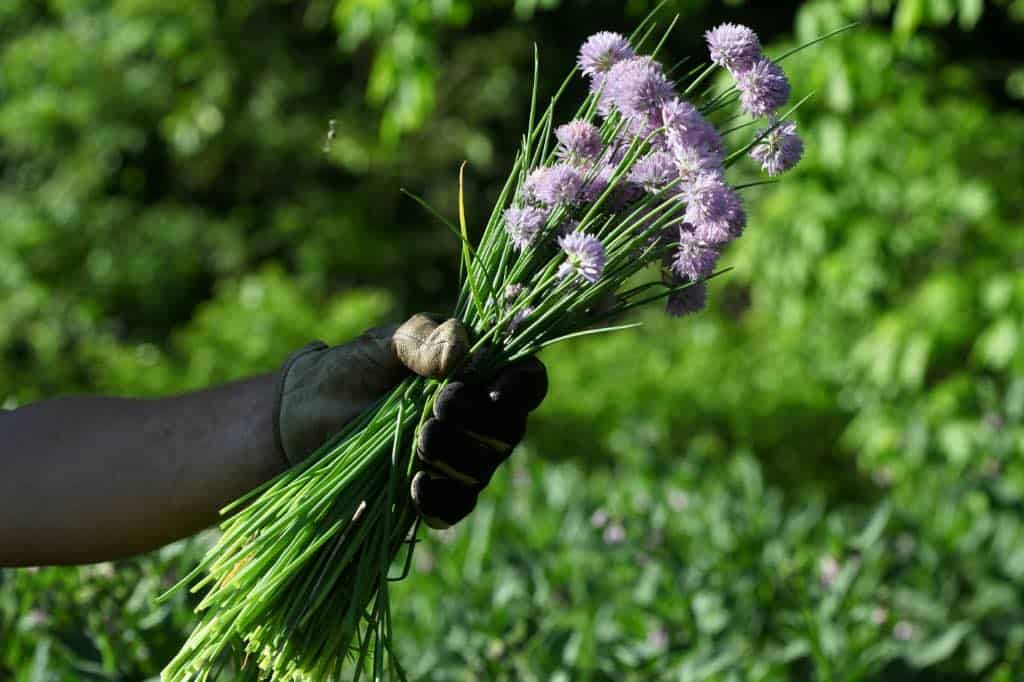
(282, 378)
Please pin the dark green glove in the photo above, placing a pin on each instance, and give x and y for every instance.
(474, 428)
(321, 388)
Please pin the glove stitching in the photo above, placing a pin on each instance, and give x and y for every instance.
(494, 443)
(447, 471)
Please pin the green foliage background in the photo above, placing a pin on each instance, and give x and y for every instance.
(818, 478)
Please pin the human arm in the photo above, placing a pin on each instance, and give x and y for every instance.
(87, 479)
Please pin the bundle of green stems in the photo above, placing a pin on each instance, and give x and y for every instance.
(296, 588)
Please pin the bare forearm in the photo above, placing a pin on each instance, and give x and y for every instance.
(89, 479)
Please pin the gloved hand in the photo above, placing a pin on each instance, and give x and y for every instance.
(321, 388)
(474, 428)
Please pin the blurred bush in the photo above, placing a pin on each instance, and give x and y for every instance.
(818, 478)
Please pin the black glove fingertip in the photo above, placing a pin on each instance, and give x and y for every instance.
(522, 385)
(458, 402)
(441, 501)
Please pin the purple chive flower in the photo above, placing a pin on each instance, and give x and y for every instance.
(532, 182)
(733, 46)
(691, 163)
(780, 149)
(714, 210)
(692, 259)
(686, 128)
(654, 171)
(519, 317)
(585, 256)
(763, 88)
(688, 300)
(578, 140)
(638, 88)
(601, 51)
(512, 292)
(523, 223)
(560, 184)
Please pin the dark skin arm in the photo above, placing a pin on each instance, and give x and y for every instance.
(85, 479)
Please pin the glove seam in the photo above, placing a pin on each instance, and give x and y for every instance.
(311, 347)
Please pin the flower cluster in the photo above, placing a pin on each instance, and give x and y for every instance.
(687, 153)
(638, 87)
(578, 141)
(679, 155)
(780, 148)
(601, 52)
(694, 259)
(733, 47)
(585, 256)
(763, 89)
(654, 171)
(762, 84)
(524, 224)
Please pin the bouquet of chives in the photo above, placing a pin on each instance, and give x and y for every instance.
(635, 182)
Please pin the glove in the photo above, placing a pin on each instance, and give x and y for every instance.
(474, 428)
(321, 388)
